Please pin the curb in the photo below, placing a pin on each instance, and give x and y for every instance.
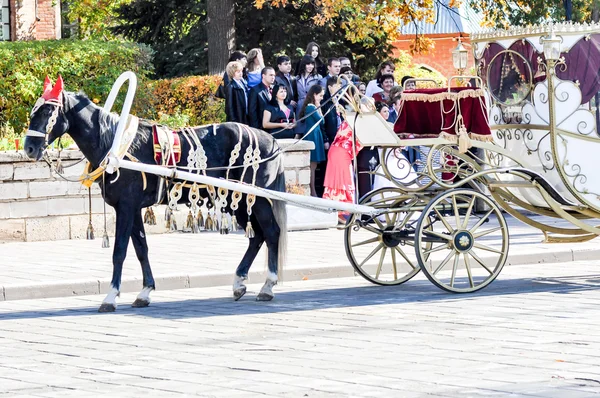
(342, 269)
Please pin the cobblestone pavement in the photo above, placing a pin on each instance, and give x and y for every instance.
(535, 332)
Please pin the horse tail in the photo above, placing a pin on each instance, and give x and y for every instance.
(280, 214)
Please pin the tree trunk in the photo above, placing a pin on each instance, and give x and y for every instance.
(221, 33)
(596, 11)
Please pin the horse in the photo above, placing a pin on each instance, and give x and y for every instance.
(93, 129)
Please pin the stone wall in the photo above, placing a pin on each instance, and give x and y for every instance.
(37, 205)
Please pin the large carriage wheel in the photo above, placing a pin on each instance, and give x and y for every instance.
(381, 249)
(468, 249)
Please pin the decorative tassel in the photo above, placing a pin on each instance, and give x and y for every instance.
(249, 231)
(90, 231)
(464, 142)
(189, 222)
(209, 222)
(167, 214)
(215, 223)
(200, 219)
(234, 224)
(105, 241)
(152, 218)
(224, 224)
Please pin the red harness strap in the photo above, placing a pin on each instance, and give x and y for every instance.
(165, 148)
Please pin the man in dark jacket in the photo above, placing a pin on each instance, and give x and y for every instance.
(331, 117)
(259, 97)
(284, 78)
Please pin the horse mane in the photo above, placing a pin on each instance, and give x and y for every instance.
(107, 122)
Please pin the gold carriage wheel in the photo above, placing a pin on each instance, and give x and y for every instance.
(382, 249)
(469, 248)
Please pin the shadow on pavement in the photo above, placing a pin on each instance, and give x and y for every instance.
(306, 300)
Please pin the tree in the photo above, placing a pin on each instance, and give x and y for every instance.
(368, 21)
(89, 18)
(221, 40)
(177, 31)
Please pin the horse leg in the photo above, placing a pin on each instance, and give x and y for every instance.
(241, 273)
(138, 237)
(122, 235)
(267, 219)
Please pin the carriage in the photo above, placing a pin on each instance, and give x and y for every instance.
(517, 138)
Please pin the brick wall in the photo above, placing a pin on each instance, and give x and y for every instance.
(440, 57)
(26, 25)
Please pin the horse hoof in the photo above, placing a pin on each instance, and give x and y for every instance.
(107, 307)
(239, 293)
(264, 297)
(140, 303)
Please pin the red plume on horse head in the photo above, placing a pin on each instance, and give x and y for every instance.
(52, 93)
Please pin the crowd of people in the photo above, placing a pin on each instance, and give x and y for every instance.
(299, 101)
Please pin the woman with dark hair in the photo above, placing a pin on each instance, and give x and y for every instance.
(386, 68)
(385, 82)
(314, 125)
(307, 78)
(314, 50)
(240, 57)
(278, 118)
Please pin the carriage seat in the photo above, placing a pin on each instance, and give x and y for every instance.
(538, 178)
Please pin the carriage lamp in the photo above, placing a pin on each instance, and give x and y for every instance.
(551, 46)
(460, 57)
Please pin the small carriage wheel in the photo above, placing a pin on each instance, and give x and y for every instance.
(469, 249)
(380, 248)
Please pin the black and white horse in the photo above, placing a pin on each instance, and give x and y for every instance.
(58, 112)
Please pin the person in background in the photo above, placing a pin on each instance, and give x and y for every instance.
(255, 66)
(278, 118)
(284, 78)
(307, 78)
(236, 99)
(241, 57)
(386, 82)
(259, 97)
(333, 68)
(383, 109)
(329, 108)
(394, 103)
(411, 85)
(362, 88)
(386, 68)
(314, 50)
(314, 128)
(345, 63)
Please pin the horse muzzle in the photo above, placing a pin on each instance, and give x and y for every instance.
(35, 143)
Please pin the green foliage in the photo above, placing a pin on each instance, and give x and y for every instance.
(405, 67)
(93, 17)
(88, 66)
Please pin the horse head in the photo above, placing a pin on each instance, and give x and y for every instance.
(48, 120)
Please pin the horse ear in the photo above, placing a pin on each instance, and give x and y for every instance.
(56, 90)
(47, 85)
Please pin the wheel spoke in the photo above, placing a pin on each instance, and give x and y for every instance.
(480, 261)
(388, 220)
(379, 224)
(443, 220)
(456, 214)
(437, 235)
(394, 264)
(436, 249)
(405, 258)
(468, 267)
(408, 216)
(468, 213)
(379, 246)
(371, 229)
(483, 233)
(481, 221)
(365, 242)
(487, 248)
(454, 268)
(381, 258)
(448, 257)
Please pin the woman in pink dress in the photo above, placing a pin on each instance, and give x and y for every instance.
(339, 184)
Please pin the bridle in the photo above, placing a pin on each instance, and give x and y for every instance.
(51, 121)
